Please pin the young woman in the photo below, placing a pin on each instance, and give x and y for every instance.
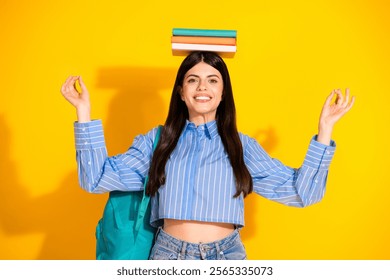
(202, 168)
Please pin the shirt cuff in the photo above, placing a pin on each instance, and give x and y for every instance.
(89, 135)
(319, 156)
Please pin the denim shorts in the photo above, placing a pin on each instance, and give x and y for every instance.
(168, 247)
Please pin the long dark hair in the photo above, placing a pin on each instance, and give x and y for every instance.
(176, 120)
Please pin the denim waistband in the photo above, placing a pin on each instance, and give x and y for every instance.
(196, 249)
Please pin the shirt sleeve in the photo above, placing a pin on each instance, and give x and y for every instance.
(99, 173)
(298, 187)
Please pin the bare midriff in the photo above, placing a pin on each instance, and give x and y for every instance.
(196, 231)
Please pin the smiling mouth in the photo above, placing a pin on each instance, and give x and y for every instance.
(202, 98)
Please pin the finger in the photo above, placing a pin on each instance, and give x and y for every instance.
(65, 84)
(349, 106)
(83, 86)
(70, 82)
(346, 100)
(329, 98)
(71, 86)
(73, 80)
(340, 98)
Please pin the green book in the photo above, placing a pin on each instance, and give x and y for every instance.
(204, 32)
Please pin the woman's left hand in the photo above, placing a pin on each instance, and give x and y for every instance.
(332, 112)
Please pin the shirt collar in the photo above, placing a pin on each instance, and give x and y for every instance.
(210, 129)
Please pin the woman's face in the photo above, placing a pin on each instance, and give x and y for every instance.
(202, 92)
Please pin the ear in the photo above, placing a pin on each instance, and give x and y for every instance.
(180, 91)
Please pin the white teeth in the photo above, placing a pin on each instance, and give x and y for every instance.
(202, 98)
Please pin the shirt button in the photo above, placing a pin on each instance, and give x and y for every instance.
(328, 152)
(85, 142)
(83, 128)
(89, 162)
(316, 181)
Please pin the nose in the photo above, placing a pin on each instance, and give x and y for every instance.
(201, 85)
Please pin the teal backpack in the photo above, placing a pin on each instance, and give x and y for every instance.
(124, 232)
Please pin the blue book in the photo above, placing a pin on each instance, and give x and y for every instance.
(204, 32)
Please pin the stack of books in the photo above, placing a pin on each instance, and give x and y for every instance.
(186, 40)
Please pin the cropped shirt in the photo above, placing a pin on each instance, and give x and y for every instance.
(200, 184)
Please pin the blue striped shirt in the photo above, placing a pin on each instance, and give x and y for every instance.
(199, 178)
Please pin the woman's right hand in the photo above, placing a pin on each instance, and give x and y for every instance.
(80, 100)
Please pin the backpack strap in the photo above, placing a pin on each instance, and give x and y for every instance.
(145, 199)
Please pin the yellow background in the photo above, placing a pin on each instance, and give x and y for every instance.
(291, 54)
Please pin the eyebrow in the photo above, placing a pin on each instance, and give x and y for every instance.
(194, 75)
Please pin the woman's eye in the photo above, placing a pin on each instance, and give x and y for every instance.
(192, 80)
(213, 81)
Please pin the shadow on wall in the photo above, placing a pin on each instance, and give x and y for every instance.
(268, 140)
(61, 216)
(137, 107)
(68, 216)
